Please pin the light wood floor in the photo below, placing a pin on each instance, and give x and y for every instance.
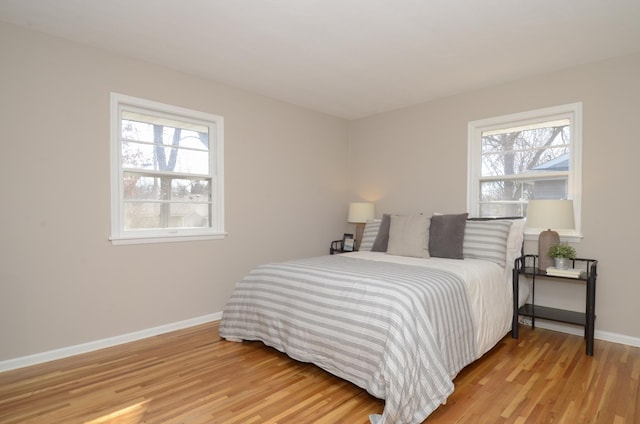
(191, 376)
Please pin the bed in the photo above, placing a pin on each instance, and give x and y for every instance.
(399, 321)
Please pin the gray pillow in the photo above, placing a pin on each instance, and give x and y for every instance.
(446, 235)
(409, 236)
(382, 239)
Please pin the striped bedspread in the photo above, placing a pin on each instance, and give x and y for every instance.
(401, 332)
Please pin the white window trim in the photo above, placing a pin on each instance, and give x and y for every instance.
(118, 236)
(573, 111)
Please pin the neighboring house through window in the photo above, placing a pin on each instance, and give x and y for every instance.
(167, 172)
(532, 155)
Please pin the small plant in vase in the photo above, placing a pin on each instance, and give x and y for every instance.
(562, 253)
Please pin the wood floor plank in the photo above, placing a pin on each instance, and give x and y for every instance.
(192, 376)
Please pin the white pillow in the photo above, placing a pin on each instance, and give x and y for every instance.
(515, 240)
(409, 236)
(487, 240)
(369, 235)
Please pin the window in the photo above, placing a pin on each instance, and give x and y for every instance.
(530, 155)
(167, 172)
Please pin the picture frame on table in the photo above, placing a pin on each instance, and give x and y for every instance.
(348, 242)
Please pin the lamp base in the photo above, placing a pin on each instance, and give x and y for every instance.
(545, 241)
(359, 233)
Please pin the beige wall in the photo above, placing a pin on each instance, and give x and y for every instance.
(62, 283)
(287, 185)
(415, 159)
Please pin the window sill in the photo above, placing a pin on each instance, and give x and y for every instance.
(146, 239)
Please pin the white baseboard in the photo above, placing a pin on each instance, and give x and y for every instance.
(65, 352)
(579, 331)
(150, 332)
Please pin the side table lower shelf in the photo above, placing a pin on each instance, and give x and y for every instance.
(560, 315)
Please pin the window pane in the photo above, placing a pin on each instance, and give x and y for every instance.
(491, 191)
(506, 190)
(141, 187)
(520, 150)
(517, 163)
(150, 215)
(141, 215)
(140, 131)
(135, 155)
(161, 158)
(143, 127)
(507, 198)
(502, 209)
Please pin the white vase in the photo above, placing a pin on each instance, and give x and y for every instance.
(562, 263)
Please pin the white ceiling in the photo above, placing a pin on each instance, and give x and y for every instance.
(348, 58)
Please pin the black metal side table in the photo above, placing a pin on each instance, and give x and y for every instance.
(527, 265)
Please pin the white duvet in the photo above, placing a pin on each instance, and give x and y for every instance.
(488, 285)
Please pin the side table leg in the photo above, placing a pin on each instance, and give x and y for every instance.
(514, 322)
(591, 313)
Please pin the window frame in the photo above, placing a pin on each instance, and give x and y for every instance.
(215, 123)
(571, 111)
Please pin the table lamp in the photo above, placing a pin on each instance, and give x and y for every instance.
(550, 214)
(359, 214)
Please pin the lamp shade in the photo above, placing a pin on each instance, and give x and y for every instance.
(551, 214)
(361, 212)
